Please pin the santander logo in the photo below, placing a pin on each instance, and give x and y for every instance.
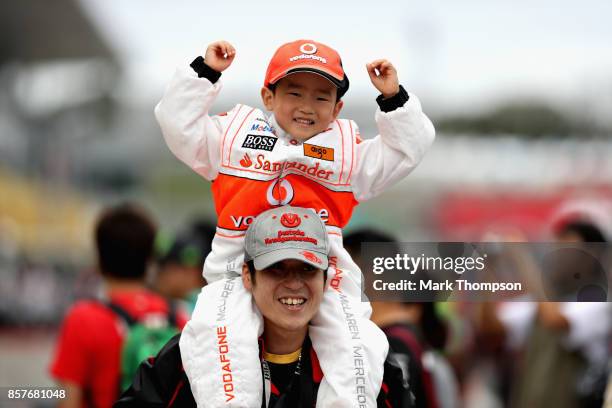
(290, 220)
(280, 192)
(246, 161)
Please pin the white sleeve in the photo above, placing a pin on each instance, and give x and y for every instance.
(589, 322)
(405, 135)
(190, 133)
(517, 319)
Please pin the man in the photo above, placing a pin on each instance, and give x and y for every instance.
(286, 271)
(88, 352)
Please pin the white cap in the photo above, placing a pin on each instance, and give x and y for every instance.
(287, 233)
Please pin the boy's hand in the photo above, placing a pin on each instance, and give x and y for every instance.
(384, 77)
(219, 55)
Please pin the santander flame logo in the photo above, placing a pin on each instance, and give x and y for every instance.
(246, 161)
(280, 192)
(290, 220)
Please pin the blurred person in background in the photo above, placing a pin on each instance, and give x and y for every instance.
(180, 261)
(565, 346)
(87, 357)
(608, 396)
(417, 336)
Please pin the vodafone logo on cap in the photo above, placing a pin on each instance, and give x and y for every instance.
(308, 48)
(280, 193)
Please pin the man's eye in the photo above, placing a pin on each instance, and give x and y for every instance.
(323, 99)
(294, 94)
(273, 269)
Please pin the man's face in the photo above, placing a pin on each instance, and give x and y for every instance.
(304, 104)
(288, 293)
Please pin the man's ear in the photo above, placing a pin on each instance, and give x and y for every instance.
(338, 108)
(246, 278)
(267, 97)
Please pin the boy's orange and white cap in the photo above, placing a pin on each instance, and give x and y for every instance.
(307, 56)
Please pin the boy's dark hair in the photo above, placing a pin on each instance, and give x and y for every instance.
(251, 267)
(124, 239)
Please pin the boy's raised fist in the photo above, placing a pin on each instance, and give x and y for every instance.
(384, 77)
(219, 55)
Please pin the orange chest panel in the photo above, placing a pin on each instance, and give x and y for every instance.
(239, 200)
(260, 170)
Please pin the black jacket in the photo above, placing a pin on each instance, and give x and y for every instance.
(162, 382)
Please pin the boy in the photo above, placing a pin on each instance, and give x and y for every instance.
(304, 156)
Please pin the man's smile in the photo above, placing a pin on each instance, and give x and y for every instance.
(293, 302)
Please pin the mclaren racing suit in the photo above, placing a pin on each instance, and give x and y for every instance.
(254, 165)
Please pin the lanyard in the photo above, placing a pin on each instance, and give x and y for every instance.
(268, 379)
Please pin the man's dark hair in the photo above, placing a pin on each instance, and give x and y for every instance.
(251, 267)
(352, 241)
(124, 239)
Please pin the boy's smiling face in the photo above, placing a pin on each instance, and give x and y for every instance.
(303, 103)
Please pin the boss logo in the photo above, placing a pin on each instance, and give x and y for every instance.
(259, 142)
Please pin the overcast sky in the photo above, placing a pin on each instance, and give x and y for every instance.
(453, 54)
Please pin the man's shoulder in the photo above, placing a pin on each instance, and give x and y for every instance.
(87, 310)
(394, 392)
(138, 300)
(406, 336)
(141, 303)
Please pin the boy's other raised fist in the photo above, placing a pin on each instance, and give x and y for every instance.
(384, 77)
(219, 55)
